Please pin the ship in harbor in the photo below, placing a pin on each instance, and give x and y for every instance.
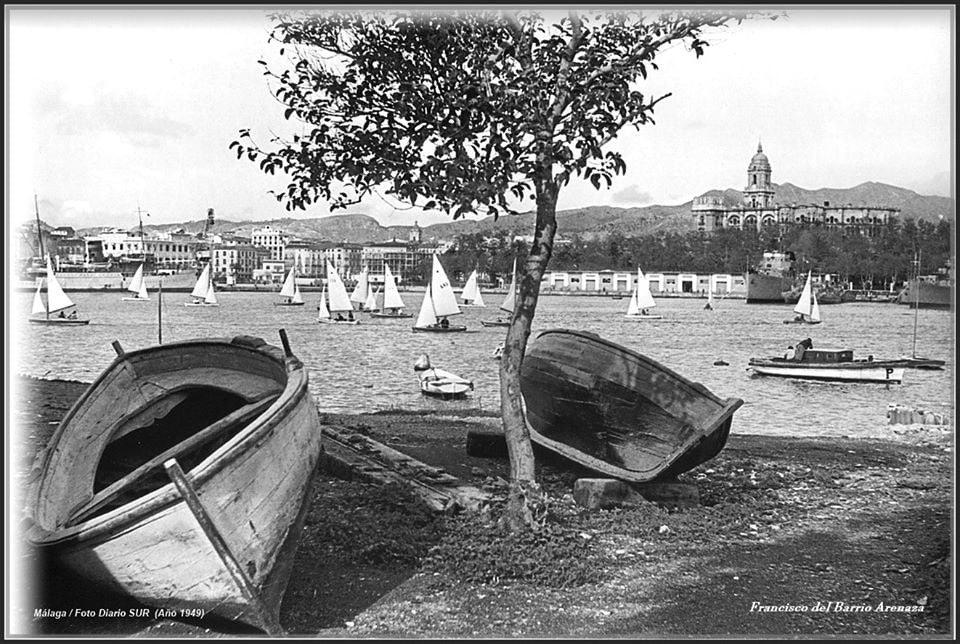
(108, 277)
(930, 291)
(767, 281)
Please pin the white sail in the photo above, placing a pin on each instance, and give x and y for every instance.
(200, 288)
(632, 308)
(511, 299)
(471, 291)
(361, 290)
(322, 312)
(38, 305)
(289, 285)
(391, 296)
(339, 300)
(644, 296)
(138, 285)
(805, 303)
(441, 293)
(371, 303)
(815, 309)
(426, 316)
(57, 300)
(297, 298)
(211, 295)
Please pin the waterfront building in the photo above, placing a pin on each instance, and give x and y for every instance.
(270, 238)
(236, 263)
(760, 208)
(404, 258)
(307, 257)
(671, 283)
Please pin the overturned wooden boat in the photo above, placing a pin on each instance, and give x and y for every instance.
(616, 411)
(181, 477)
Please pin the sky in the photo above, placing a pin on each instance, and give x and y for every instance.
(114, 110)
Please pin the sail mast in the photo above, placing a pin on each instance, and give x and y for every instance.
(916, 300)
(36, 209)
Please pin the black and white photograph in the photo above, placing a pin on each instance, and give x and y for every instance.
(480, 321)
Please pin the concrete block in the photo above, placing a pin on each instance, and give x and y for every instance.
(669, 494)
(599, 494)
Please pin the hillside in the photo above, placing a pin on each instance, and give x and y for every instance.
(590, 222)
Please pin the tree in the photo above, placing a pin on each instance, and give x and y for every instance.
(472, 112)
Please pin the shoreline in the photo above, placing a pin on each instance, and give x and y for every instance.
(781, 521)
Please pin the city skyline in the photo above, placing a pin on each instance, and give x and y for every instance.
(135, 108)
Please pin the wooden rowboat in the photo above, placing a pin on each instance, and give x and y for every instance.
(616, 411)
(109, 500)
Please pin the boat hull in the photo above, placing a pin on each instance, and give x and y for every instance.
(495, 323)
(855, 371)
(58, 321)
(443, 384)
(254, 486)
(643, 317)
(391, 315)
(618, 412)
(933, 296)
(439, 329)
(766, 289)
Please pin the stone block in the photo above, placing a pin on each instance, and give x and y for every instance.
(669, 494)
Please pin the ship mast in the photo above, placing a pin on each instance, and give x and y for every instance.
(143, 248)
(916, 299)
(36, 209)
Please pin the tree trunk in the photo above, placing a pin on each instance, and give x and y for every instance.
(526, 507)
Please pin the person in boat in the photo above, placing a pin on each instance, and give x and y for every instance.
(643, 312)
(73, 315)
(802, 347)
(444, 323)
(62, 314)
(340, 317)
(350, 316)
(790, 354)
(799, 318)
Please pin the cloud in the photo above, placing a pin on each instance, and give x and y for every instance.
(632, 195)
(127, 115)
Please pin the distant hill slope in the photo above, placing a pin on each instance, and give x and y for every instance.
(590, 222)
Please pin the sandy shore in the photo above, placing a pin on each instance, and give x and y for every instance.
(784, 525)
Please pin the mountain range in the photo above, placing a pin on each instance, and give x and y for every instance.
(589, 222)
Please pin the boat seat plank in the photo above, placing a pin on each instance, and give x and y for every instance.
(109, 493)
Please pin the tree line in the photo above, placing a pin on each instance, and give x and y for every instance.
(868, 262)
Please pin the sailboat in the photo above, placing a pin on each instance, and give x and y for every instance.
(361, 291)
(509, 302)
(139, 286)
(203, 293)
(807, 308)
(323, 313)
(439, 302)
(642, 300)
(290, 291)
(340, 303)
(371, 304)
(392, 302)
(709, 305)
(57, 301)
(471, 296)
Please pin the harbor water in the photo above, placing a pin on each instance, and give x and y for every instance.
(369, 367)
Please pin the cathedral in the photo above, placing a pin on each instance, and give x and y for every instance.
(760, 208)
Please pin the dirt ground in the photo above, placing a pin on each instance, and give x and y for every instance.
(792, 537)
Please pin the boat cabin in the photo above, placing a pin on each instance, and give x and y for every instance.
(827, 355)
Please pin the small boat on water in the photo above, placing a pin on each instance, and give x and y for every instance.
(57, 302)
(616, 411)
(440, 383)
(439, 302)
(138, 286)
(642, 300)
(204, 293)
(471, 295)
(836, 365)
(392, 302)
(807, 307)
(333, 313)
(181, 477)
(290, 291)
(508, 304)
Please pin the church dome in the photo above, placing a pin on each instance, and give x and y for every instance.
(759, 160)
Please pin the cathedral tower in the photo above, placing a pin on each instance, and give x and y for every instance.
(759, 190)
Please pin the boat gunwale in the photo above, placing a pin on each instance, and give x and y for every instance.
(643, 360)
(293, 395)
